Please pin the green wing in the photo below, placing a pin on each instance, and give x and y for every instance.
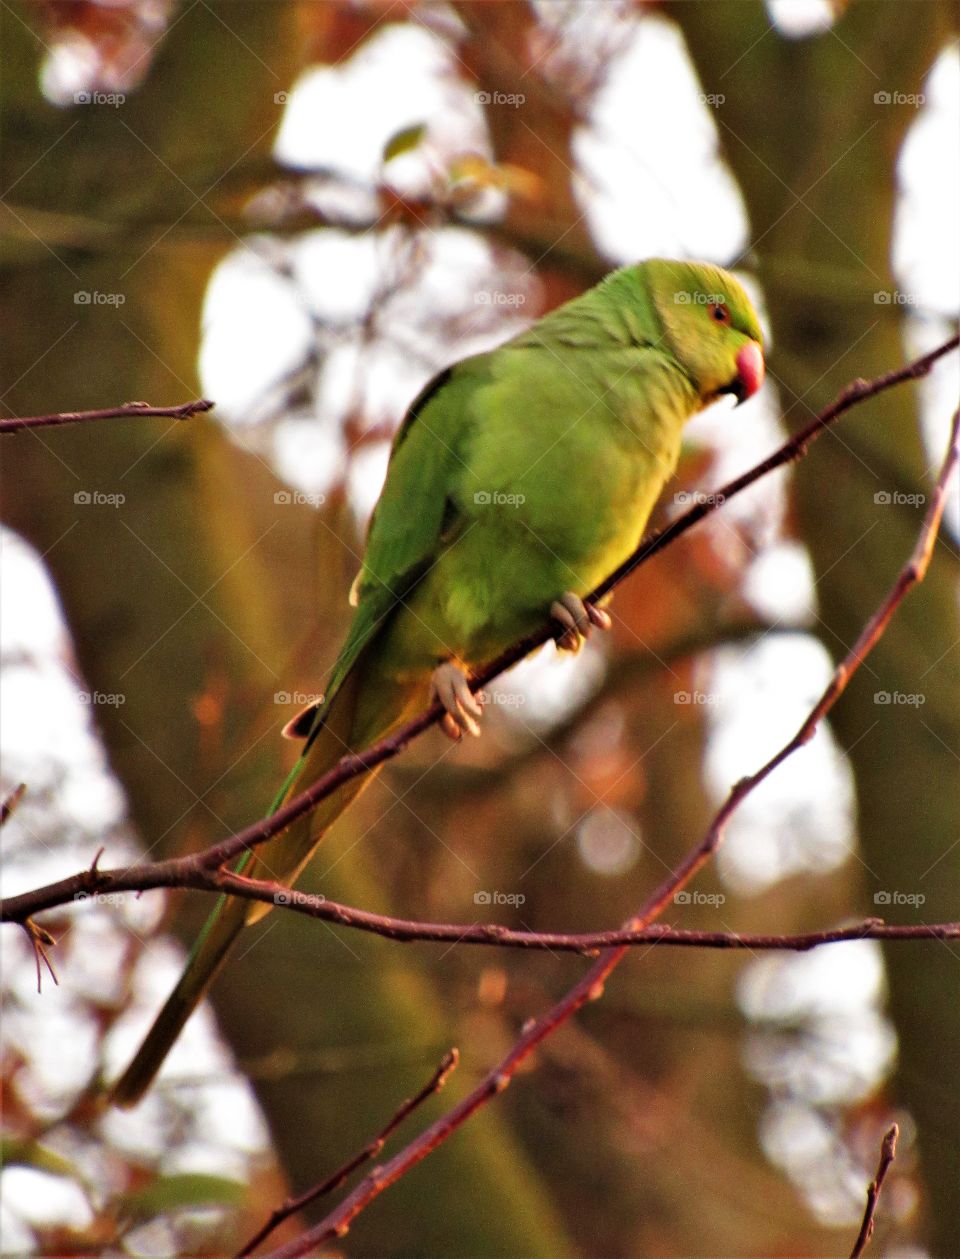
(414, 516)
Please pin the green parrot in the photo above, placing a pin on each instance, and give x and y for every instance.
(518, 480)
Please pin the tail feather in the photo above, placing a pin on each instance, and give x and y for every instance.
(208, 955)
(284, 857)
(348, 725)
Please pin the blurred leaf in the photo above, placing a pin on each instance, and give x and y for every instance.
(33, 1154)
(475, 169)
(404, 140)
(190, 1189)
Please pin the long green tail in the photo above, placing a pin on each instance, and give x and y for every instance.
(281, 858)
(206, 958)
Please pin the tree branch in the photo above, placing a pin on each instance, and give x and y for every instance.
(183, 871)
(403, 930)
(591, 986)
(888, 1152)
(142, 410)
(205, 868)
(448, 1064)
(11, 801)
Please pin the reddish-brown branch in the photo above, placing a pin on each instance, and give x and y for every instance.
(587, 943)
(448, 1064)
(11, 801)
(590, 987)
(857, 391)
(911, 573)
(140, 410)
(337, 1223)
(888, 1152)
(181, 872)
(208, 866)
(40, 940)
(590, 943)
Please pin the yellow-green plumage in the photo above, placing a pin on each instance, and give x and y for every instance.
(516, 476)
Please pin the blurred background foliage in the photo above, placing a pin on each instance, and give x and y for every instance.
(305, 209)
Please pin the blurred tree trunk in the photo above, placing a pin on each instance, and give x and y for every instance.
(820, 188)
(195, 589)
(344, 1041)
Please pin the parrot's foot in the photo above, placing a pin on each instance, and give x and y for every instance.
(449, 685)
(578, 619)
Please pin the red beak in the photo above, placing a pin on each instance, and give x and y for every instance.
(750, 369)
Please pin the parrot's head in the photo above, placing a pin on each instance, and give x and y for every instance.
(710, 326)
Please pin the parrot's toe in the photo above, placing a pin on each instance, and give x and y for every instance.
(578, 619)
(463, 709)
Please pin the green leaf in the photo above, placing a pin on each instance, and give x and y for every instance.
(33, 1154)
(404, 140)
(189, 1189)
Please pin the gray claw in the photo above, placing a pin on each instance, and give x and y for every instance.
(577, 619)
(449, 685)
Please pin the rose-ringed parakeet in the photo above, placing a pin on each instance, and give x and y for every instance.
(519, 479)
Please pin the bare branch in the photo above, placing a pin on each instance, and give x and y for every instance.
(888, 1152)
(589, 943)
(857, 391)
(448, 1064)
(183, 871)
(591, 986)
(142, 410)
(11, 802)
(205, 869)
(337, 1223)
(912, 572)
(40, 940)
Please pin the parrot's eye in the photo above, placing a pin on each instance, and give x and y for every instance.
(719, 312)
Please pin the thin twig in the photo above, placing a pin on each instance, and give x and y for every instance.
(40, 940)
(181, 871)
(912, 572)
(888, 1152)
(291, 1206)
(337, 1223)
(11, 802)
(857, 391)
(591, 986)
(590, 943)
(142, 410)
(490, 934)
